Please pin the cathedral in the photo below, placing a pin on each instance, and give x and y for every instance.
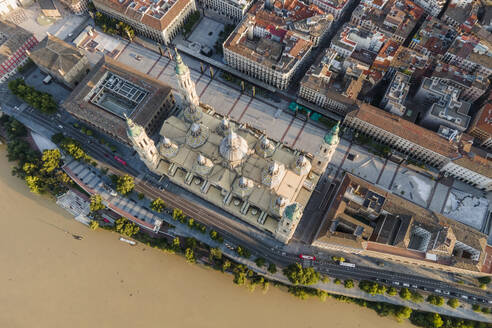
(233, 166)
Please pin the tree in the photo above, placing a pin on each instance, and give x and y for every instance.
(349, 283)
(157, 205)
(392, 291)
(215, 253)
(190, 255)
(405, 293)
(476, 307)
(272, 268)
(226, 265)
(416, 297)
(214, 235)
(435, 300)
(29, 168)
(191, 242)
(484, 280)
(176, 244)
(241, 251)
(94, 224)
(403, 312)
(453, 302)
(96, 203)
(337, 281)
(126, 227)
(177, 214)
(51, 160)
(301, 276)
(34, 184)
(125, 184)
(260, 262)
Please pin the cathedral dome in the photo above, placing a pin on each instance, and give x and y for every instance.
(264, 147)
(301, 166)
(233, 147)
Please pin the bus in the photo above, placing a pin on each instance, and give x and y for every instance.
(348, 265)
(47, 79)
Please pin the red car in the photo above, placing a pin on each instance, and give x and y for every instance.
(119, 160)
(307, 257)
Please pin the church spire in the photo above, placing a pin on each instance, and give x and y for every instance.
(187, 90)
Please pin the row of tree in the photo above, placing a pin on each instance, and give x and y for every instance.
(41, 101)
(113, 26)
(41, 171)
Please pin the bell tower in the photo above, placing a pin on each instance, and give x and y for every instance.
(142, 144)
(326, 150)
(186, 85)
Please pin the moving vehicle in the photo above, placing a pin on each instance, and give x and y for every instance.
(119, 160)
(349, 265)
(47, 79)
(307, 257)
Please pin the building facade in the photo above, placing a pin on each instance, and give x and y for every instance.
(14, 44)
(158, 20)
(432, 7)
(396, 94)
(233, 10)
(64, 62)
(481, 127)
(404, 136)
(7, 6)
(78, 7)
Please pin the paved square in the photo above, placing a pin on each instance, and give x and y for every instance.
(365, 165)
(439, 198)
(387, 175)
(413, 186)
(206, 32)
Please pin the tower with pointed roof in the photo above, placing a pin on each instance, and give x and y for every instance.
(143, 145)
(289, 220)
(187, 89)
(326, 150)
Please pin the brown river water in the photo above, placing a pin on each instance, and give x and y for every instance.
(49, 279)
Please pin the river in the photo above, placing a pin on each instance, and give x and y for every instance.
(49, 279)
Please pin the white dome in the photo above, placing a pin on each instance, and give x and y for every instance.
(233, 147)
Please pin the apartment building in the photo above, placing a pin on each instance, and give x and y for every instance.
(14, 44)
(394, 18)
(64, 62)
(471, 53)
(472, 169)
(472, 86)
(334, 7)
(402, 135)
(264, 47)
(351, 38)
(433, 38)
(6, 6)
(318, 87)
(431, 7)
(409, 61)
(460, 13)
(233, 10)
(445, 107)
(78, 7)
(396, 94)
(481, 126)
(159, 20)
(368, 220)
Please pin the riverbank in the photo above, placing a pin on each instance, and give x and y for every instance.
(51, 279)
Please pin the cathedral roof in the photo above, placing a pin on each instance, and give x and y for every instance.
(233, 147)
